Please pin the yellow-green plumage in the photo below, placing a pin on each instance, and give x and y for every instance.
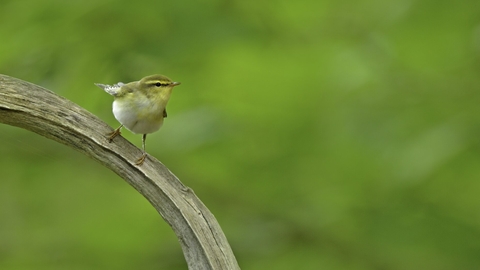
(140, 106)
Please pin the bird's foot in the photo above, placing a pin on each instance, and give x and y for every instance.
(114, 134)
(141, 160)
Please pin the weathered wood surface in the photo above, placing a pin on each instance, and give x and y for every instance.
(37, 109)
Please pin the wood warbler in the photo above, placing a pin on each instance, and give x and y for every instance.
(140, 106)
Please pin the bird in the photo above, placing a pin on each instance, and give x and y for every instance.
(140, 106)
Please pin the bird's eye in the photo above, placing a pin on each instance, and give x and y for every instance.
(158, 84)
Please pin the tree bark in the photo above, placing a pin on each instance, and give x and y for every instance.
(37, 109)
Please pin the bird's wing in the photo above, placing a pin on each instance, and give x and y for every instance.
(111, 89)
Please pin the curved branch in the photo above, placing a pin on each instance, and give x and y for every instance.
(37, 109)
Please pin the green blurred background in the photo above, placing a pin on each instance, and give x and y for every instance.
(321, 134)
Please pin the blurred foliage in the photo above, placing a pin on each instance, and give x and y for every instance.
(321, 134)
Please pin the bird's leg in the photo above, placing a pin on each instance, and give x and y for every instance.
(165, 113)
(114, 134)
(142, 159)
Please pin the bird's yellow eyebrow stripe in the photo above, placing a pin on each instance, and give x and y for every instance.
(157, 81)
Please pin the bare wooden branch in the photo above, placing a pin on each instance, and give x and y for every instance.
(34, 108)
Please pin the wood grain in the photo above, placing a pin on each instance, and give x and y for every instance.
(37, 109)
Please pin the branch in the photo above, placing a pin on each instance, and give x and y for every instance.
(37, 109)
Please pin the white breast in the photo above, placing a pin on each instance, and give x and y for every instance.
(127, 114)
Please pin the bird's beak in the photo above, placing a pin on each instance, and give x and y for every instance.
(175, 83)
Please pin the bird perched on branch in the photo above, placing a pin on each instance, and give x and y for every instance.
(140, 106)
